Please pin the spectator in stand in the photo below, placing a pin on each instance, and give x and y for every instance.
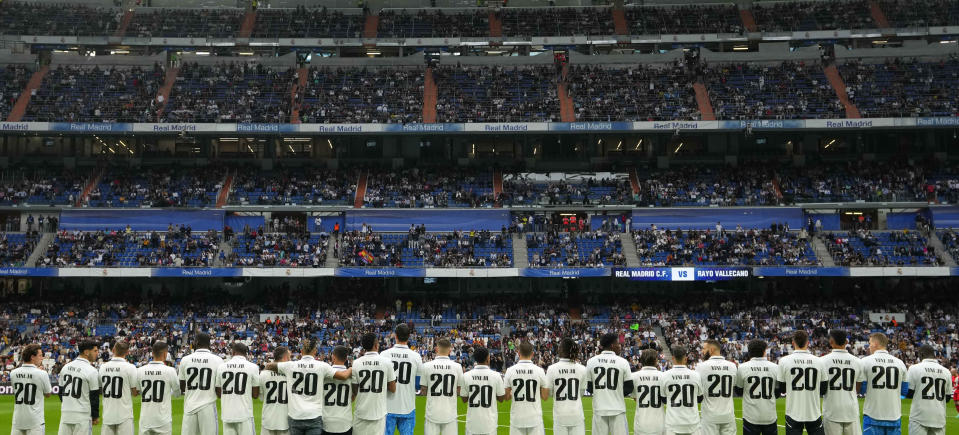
(303, 22)
(788, 90)
(185, 23)
(570, 21)
(496, 94)
(812, 15)
(13, 80)
(640, 93)
(57, 19)
(362, 95)
(415, 188)
(670, 19)
(234, 93)
(902, 88)
(71, 93)
(429, 23)
(862, 247)
(766, 247)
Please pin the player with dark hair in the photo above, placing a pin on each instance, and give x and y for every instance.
(650, 414)
(30, 385)
(758, 381)
(804, 380)
(719, 376)
(158, 384)
(80, 392)
(840, 406)
(566, 380)
(927, 414)
(681, 389)
(443, 377)
(526, 386)
(338, 394)
(883, 375)
(197, 371)
(478, 387)
(375, 379)
(237, 384)
(401, 406)
(610, 383)
(118, 382)
(273, 416)
(305, 380)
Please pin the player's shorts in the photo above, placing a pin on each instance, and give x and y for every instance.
(579, 429)
(313, 426)
(534, 430)
(917, 429)
(348, 432)
(713, 428)
(39, 430)
(369, 427)
(239, 427)
(645, 431)
(204, 421)
(691, 429)
(610, 424)
(871, 426)
(84, 428)
(837, 428)
(162, 430)
(434, 428)
(760, 429)
(405, 423)
(274, 432)
(794, 427)
(123, 428)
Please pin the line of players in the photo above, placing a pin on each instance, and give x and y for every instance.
(312, 397)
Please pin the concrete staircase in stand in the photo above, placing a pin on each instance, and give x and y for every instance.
(520, 256)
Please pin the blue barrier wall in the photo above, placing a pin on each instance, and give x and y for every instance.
(830, 221)
(237, 222)
(435, 221)
(706, 218)
(326, 223)
(945, 217)
(140, 220)
(901, 221)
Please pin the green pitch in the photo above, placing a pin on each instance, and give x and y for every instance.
(53, 415)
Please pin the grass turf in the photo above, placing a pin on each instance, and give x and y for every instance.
(53, 415)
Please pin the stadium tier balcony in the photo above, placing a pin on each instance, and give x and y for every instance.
(158, 187)
(300, 186)
(921, 13)
(255, 249)
(423, 23)
(231, 92)
(96, 94)
(812, 15)
(496, 94)
(656, 20)
(641, 93)
(305, 22)
(41, 187)
(544, 189)
(567, 21)
(177, 247)
(363, 95)
(788, 90)
(855, 181)
(736, 247)
(185, 23)
(901, 89)
(57, 19)
(420, 249)
(15, 248)
(430, 188)
(695, 186)
(13, 79)
(893, 248)
(587, 249)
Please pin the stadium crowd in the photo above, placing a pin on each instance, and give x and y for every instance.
(895, 248)
(303, 22)
(426, 23)
(294, 185)
(752, 247)
(162, 186)
(230, 92)
(586, 249)
(684, 19)
(176, 247)
(414, 188)
(362, 95)
(418, 248)
(13, 79)
(496, 94)
(639, 93)
(789, 90)
(72, 93)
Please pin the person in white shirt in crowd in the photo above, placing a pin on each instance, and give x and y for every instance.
(682, 390)
(196, 373)
(305, 380)
(804, 380)
(401, 405)
(441, 388)
(80, 392)
(650, 410)
(883, 375)
(526, 386)
(30, 386)
(758, 382)
(929, 385)
(374, 377)
(276, 396)
(338, 398)
(118, 384)
(719, 377)
(158, 384)
(478, 387)
(610, 383)
(840, 406)
(237, 384)
(566, 380)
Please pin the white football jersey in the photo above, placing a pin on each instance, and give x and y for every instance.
(337, 404)
(650, 415)
(117, 377)
(525, 380)
(30, 386)
(407, 365)
(236, 378)
(802, 372)
(931, 383)
(442, 379)
(758, 378)
(304, 381)
(681, 390)
(884, 375)
(158, 385)
(719, 378)
(77, 379)
(371, 372)
(608, 374)
(198, 370)
(840, 403)
(274, 392)
(481, 386)
(566, 381)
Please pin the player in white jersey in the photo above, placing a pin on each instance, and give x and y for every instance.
(478, 387)
(610, 383)
(682, 391)
(338, 398)
(401, 405)
(80, 392)
(305, 379)
(650, 414)
(804, 380)
(566, 380)
(158, 384)
(275, 396)
(840, 406)
(929, 384)
(441, 388)
(883, 375)
(374, 377)
(237, 384)
(118, 385)
(197, 371)
(719, 378)
(758, 382)
(30, 385)
(526, 387)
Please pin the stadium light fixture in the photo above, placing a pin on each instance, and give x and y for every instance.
(330, 143)
(676, 151)
(829, 144)
(741, 48)
(619, 146)
(203, 53)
